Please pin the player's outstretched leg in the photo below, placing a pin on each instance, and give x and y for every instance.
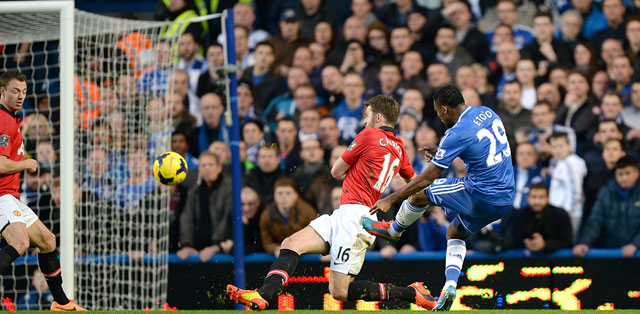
(302, 242)
(18, 242)
(410, 211)
(50, 266)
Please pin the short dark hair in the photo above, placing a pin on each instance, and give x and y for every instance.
(609, 121)
(213, 44)
(578, 72)
(445, 26)
(626, 161)
(7, 76)
(212, 155)
(559, 135)
(265, 43)
(449, 96)
(539, 186)
(617, 140)
(514, 81)
(386, 106)
(258, 123)
(543, 14)
(544, 103)
(180, 132)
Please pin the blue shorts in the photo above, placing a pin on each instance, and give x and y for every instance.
(461, 207)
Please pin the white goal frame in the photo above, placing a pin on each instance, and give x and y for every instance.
(67, 125)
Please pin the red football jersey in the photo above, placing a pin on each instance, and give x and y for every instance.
(375, 156)
(11, 145)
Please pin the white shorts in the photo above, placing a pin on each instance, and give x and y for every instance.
(12, 210)
(347, 239)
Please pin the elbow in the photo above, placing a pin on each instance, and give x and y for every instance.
(335, 173)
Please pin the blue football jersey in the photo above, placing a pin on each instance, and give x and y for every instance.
(480, 140)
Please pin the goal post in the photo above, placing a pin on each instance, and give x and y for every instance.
(67, 112)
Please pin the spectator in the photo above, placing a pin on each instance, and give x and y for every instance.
(353, 30)
(549, 93)
(286, 133)
(274, 111)
(594, 20)
(141, 182)
(396, 14)
(262, 178)
(511, 112)
(329, 134)
(389, 79)
(577, 112)
(46, 153)
(408, 122)
(213, 129)
(246, 109)
(98, 178)
(244, 16)
(253, 136)
(354, 61)
(206, 219)
(449, 53)
(472, 98)
(611, 107)
(417, 24)
(159, 131)
(633, 38)
(349, 112)
(251, 210)
(599, 84)
(210, 81)
(180, 80)
(311, 12)
(377, 39)
(244, 57)
(631, 114)
(507, 58)
(304, 98)
(543, 118)
(36, 128)
(432, 231)
(288, 214)
(264, 83)
(288, 40)
(507, 13)
(413, 71)
(332, 81)
(585, 59)
(614, 13)
(467, 35)
(324, 36)
(597, 177)
(570, 29)
(542, 226)
(622, 73)
(413, 99)
(154, 80)
(567, 178)
(190, 60)
(182, 119)
(362, 10)
(312, 166)
(303, 58)
(527, 172)
(526, 74)
(309, 124)
(611, 222)
(180, 145)
(546, 50)
(400, 42)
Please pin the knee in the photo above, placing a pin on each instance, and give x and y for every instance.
(339, 293)
(286, 243)
(419, 200)
(20, 245)
(48, 244)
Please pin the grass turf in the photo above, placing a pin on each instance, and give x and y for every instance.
(393, 311)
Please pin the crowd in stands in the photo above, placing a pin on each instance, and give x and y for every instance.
(564, 76)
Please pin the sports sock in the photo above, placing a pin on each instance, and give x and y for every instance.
(406, 216)
(374, 291)
(456, 250)
(279, 274)
(7, 256)
(50, 267)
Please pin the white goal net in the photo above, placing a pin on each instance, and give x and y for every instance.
(122, 121)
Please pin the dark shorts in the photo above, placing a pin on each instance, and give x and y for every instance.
(467, 214)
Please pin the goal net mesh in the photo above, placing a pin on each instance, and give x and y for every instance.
(122, 122)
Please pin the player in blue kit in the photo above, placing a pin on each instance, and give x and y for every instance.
(478, 137)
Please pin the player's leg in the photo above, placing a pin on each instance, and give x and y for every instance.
(14, 231)
(305, 241)
(410, 211)
(41, 237)
(17, 243)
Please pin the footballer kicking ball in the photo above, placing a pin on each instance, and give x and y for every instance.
(170, 168)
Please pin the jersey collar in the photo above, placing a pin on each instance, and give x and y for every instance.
(13, 115)
(386, 128)
(463, 112)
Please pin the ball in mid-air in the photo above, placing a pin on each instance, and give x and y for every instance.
(170, 168)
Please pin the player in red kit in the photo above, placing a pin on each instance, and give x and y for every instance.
(367, 166)
(18, 223)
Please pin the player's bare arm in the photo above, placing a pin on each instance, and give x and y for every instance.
(417, 184)
(429, 151)
(340, 168)
(8, 166)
